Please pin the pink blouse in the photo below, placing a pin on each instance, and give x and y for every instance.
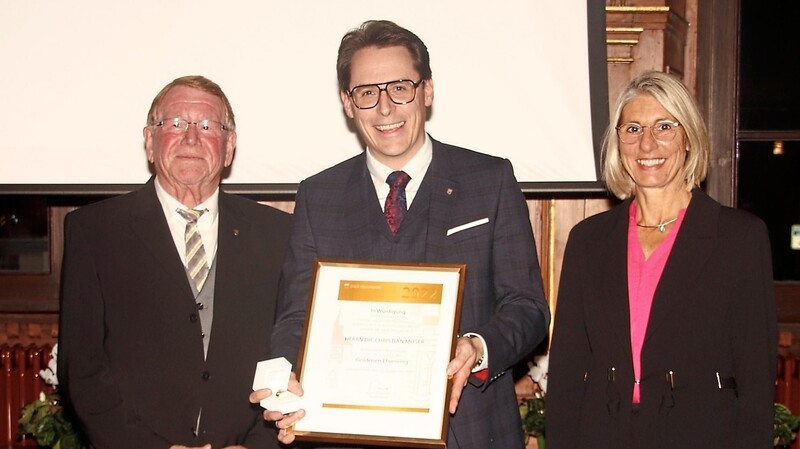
(643, 277)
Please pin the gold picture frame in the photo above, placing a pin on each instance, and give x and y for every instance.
(375, 350)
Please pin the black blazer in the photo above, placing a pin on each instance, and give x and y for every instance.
(130, 348)
(503, 298)
(713, 312)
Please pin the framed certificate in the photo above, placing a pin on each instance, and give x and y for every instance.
(375, 351)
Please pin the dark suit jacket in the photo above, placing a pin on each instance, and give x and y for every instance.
(503, 299)
(713, 311)
(130, 348)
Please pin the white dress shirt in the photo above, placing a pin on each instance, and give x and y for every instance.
(207, 224)
(415, 168)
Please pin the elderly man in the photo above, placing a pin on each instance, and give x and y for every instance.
(410, 198)
(168, 292)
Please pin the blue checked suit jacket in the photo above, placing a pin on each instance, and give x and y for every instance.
(503, 298)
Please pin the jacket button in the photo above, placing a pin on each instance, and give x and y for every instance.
(206, 375)
(193, 317)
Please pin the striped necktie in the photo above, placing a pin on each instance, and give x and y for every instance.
(196, 262)
(395, 207)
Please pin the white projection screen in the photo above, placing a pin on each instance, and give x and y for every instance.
(521, 79)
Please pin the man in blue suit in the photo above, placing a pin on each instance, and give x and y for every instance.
(463, 207)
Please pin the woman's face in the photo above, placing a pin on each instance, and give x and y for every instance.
(651, 162)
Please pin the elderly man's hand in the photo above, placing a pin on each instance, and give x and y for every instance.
(282, 422)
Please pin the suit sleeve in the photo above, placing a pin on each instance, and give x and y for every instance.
(521, 315)
(569, 352)
(294, 286)
(83, 371)
(755, 341)
(262, 435)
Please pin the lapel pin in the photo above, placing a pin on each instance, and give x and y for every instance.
(449, 191)
(235, 232)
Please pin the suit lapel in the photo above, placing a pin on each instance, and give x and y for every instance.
(231, 241)
(446, 198)
(612, 261)
(360, 208)
(693, 246)
(150, 227)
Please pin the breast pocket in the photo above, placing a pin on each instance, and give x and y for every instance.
(465, 228)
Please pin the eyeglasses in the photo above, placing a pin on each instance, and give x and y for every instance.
(367, 96)
(178, 125)
(663, 131)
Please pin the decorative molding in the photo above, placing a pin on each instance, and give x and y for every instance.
(625, 27)
(630, 42)
(620, 60)
(626, 24)
(632, 30)
(28, 329)
(762, 135)
(637, 9)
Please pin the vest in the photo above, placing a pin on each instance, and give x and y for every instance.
(205, 303)
(409, 244)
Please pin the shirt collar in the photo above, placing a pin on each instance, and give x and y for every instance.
(170, 204)
(415, 168)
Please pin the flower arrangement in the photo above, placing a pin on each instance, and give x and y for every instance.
(532, 411)
(45, 419)
(785, 425)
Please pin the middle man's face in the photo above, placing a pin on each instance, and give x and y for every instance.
(393, 133)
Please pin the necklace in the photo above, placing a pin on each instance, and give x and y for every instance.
(661, 226)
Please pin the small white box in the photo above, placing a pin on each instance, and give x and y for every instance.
(274, 374)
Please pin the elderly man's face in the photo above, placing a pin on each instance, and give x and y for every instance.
(190, 159)
(393, 133)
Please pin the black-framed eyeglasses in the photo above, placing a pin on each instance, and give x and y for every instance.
(179, 125)
(662, 131)
(367, 96)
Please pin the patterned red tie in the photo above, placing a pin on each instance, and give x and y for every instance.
(395, 207)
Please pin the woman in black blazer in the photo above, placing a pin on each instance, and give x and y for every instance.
(665, 331)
